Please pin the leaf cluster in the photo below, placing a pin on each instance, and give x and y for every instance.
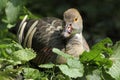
(101, 63)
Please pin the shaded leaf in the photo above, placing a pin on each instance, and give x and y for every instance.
(33, 74)
(61, 77)
(12, 10)
(24, 55)
(114, 71)
(71, 72)
(95, 75)
(106, 76)
(4, 76)
(2, 4)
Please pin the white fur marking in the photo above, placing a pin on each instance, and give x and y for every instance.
(29, 31)
(49, 28)
(29, 44)
(22, 23)
(59, 27)
(79, 36)
(21, 32)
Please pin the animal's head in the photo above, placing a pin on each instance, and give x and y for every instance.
(73, 22)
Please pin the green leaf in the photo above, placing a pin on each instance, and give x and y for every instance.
(104, 45)
(24, 55)
(95, 75)
(73, 68)
(106, 76)
(5, 45)
(73, 63)
(61, 77)
(17, 45)
(12, 10)
(5, 76)
(99, 54)
(32, 74)
(2, 4)
(114, 71)
(13, 62)
(46, 65)
(57, 51)
(71, 72)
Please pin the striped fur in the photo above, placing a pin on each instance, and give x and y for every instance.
(42, 35)
(21, 29)
(30, 34)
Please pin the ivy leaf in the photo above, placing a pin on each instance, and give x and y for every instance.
(24, 55)
(114, 71)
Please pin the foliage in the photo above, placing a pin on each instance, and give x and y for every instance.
(73, 68)
(11, 56)
(97, 63)
(101, 63)
(114, 70)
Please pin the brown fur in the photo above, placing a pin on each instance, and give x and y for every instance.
(47, 34)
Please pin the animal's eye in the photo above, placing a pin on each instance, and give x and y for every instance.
(75, 19)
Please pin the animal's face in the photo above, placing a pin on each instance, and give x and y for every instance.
(73, 22)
